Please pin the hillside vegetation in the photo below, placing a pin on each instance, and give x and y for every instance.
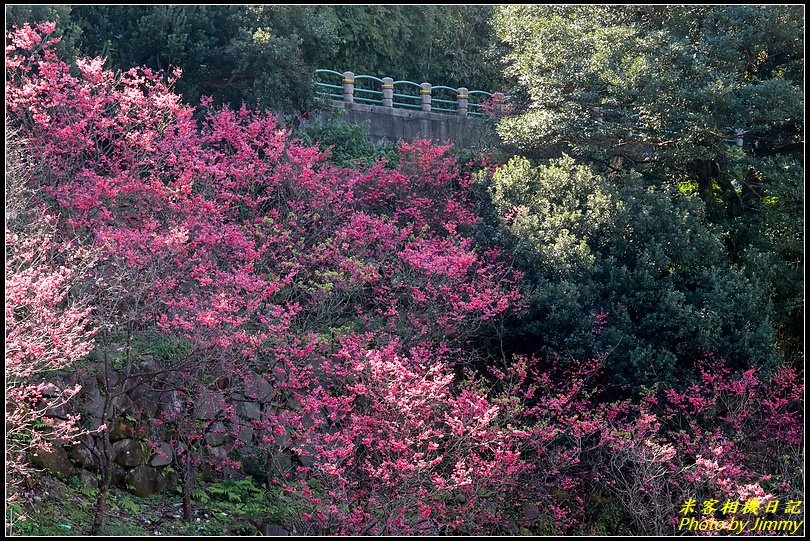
(222, 322)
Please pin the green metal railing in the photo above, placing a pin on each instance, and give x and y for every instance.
(405, 94)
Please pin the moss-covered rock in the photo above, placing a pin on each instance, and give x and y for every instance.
(144, 481)
(130, 453)
(55, 460)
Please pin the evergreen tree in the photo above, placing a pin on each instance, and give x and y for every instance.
(705, 99)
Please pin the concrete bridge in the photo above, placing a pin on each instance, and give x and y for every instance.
(437, 113)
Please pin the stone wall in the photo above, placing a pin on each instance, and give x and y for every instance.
(144, 462)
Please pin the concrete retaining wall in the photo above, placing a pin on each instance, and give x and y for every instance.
(390, 124)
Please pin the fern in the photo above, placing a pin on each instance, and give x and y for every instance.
(199, 495)
(130, 505)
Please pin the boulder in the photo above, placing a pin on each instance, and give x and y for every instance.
(156, 432)
(217, 453)
(144, 481)
(208, 406)
(112, 378)
(130, 453)
(282, 462)
(94, 403)
(282, 439)
(245, 434)
(247, 409)
(149, 364)
(55, 460)
(124, 404)
(50, 390)
(169, 405)
(149, 405)
(86, 478)
(123, 429)
(69, 380)
(216, 435)
(257, 388)
(118, 476)
(271, 529)
(306, 456)
(531, 512)
(162, 456)
(253, 462)
(139, 393)
(82, 455)
(57, 412)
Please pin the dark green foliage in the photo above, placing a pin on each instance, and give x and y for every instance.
(251, 54)
(266, 55)
(348, 144)
(663, 87)
(643, 257)
(449, 45)
(709, 99)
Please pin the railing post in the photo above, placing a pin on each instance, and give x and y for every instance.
(348, 87)
(498, 98)
(388, 92)
(462, 100)
(425, 93)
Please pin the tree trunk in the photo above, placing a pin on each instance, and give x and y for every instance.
(185, 471)
(101, 503)
(105, 458)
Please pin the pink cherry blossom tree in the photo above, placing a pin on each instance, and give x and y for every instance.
(47, 324)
